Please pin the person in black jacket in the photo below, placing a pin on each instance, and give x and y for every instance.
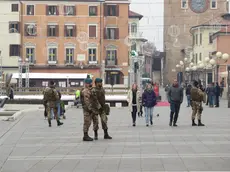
(217, 93)
(188, 95)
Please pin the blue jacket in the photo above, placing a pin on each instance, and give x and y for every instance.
(149, 98)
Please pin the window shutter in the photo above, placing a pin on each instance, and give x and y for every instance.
(105, 10)
(48, 34)
(74, 10)
(47, 10)
(74, 31)
(19, 50)
(64, 10)
(19, 27)
(25, 30)
(10, 52)
(57, 30)
(96, 10)
(57, 7)
(106, 57)
(117, 33)
(117, 10)
(115, 57)
(105, 37)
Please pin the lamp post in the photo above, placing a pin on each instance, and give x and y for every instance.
(27, 65)
(20, 66)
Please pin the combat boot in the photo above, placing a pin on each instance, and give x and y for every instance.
(95, 135)
(49, 122)
(200, 124)
(193, 123)
(106, 135)
(87, 138)
(59, 123)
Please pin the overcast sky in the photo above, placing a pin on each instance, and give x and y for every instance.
(152, 23)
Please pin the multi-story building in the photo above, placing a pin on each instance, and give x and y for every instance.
(136, 41)
(179, 17)
(10, 36)
(76, 37)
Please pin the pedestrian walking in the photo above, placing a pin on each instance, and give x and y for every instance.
(149, 100)
(197, 97)
(103, 112)
(211, 95)
(175, 98)
(217, 94)
(133, 100)
(188, 95)
(90, 107)
(50, 99)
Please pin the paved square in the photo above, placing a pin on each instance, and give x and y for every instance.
(31, 146)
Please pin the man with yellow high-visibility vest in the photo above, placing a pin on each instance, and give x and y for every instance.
(77, 97)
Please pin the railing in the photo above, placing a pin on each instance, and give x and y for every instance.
(68, 90)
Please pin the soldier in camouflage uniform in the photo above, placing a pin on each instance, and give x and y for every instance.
(197, 97)
(103, 112)
(90, 107)
(50, 99)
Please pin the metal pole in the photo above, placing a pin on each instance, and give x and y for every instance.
(217, 73)
(20, 74)
(27, 64)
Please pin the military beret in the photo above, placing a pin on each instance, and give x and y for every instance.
(98, 80)
(88, 81)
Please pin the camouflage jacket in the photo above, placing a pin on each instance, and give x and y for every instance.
(100, 92)
(89, 100)
(50, 97)
(197, 95)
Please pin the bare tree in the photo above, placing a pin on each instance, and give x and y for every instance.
(149, 48)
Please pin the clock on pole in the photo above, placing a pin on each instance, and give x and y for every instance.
(198, 6)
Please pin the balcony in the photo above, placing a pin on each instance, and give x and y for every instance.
(137, 36)
(92, 62)
(52, 63)
(109, 62)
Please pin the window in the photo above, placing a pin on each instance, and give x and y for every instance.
(14, 27)
(210, 38)
(14, 50)
(69, 55)
(52, 30)
(213, 4)
(30, 30)
(14, 7)
(62, 84)
(184, 4)
(133, 28)
(70, 31)
(52, 55)
(92, 10)
(200, 38)
(92, 31)
(111, 57)
(30, 10)
(30, 54)
(134, 47)
(52, 10)
(111, 10)
(196, 39)
(196, 59)
(112, 33)
(45, 83)
(200, 58)
(92, 53)
(69, 10)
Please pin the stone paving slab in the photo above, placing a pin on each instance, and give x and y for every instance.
(31, 146)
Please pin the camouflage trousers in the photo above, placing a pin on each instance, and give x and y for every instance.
(196, 110)
(104, 120)
(88, 117)
(49, 111)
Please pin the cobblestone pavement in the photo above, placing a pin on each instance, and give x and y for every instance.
(34, 147)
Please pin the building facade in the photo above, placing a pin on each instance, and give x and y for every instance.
(10, 36)
(76, 37)
(179, 17)
(136, 41)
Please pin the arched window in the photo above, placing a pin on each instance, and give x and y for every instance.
(133, 28)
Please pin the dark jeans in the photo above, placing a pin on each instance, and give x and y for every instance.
(134, 113)
(175, 109)
(141, 111)
(207, 101)
(189, 100)
(217, 101)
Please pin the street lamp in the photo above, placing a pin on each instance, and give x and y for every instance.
(20, 66)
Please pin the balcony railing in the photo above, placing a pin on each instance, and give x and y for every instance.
(111, 62)
(136, 35)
